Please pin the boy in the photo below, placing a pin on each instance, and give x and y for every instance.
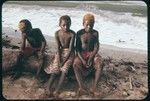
(87, 46)
(65, 52)
(36, 44)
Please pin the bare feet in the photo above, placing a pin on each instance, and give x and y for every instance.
(56, 94)
(48, 95)
(94, 93)
(81, 91)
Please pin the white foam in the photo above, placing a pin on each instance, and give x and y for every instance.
(119, 29)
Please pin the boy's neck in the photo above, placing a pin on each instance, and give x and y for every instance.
(65, 30)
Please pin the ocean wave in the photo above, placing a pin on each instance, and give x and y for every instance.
(112, 26)
(88, 7)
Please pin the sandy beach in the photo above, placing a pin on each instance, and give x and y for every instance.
(115, 78)
(135, 55)
(125, 73)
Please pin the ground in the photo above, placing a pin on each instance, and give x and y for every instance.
(124, 76)
(119, 80)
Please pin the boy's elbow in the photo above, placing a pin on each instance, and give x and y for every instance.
(44, 43)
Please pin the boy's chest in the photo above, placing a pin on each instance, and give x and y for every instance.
(64, 37)
(87, 37)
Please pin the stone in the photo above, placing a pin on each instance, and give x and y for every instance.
(125, 94)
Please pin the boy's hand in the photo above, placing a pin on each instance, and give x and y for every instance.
(89, 63)
(40, 55)
(84, 62)
(61, 64)
(21, 51)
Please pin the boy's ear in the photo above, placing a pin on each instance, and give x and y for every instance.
(83, 23)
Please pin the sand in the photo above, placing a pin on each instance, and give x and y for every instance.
(118, 81)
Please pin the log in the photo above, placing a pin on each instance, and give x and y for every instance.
(10, 56)
(9, 59)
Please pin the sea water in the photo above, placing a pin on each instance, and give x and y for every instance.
(121, 29)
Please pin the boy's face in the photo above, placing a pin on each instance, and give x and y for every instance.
(21, 26)
(65, 26)
(88, 25)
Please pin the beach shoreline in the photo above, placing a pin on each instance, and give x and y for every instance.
(127, 54)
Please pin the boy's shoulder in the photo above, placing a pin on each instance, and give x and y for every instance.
(83, 31)
(36, 30)
(95, 31)
(56, 32)
(73, 32)
(80, 32)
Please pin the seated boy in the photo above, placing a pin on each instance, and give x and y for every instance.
(65, 52)
(87, 47)
(36, 44)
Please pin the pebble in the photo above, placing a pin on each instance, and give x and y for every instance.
(144, 91)
(85, 97)
(125, 94)
(67, 94)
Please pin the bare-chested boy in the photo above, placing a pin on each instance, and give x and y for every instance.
(87, 47)
(65, 53)
(35, 44)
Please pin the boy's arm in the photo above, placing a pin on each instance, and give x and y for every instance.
(58, 47)
(43, 41)
(78, 50)
(43, 46)
(96, 49)
(23, 42)
(71, 47)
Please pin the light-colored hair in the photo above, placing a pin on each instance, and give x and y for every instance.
(89, 17)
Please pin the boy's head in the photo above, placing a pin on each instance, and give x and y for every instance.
(88, 22)
(65, 22)
(25, 25)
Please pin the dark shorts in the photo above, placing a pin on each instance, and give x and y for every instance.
(30, 51)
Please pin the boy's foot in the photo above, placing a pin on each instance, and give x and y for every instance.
(56, 94)
(81, 91)
(94, 93)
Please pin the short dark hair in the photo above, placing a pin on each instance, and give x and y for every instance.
(66, 18)
(28, 24)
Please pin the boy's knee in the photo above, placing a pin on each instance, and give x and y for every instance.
(97, 62)
(76, 63)
(98, 59)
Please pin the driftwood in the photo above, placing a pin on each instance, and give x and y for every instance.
(10, 56)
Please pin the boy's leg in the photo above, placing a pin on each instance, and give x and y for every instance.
(51, 81)
(63, 74)
(97, 65)
(42, 59)
(77, 70)
(18, 68)
(64, 70)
